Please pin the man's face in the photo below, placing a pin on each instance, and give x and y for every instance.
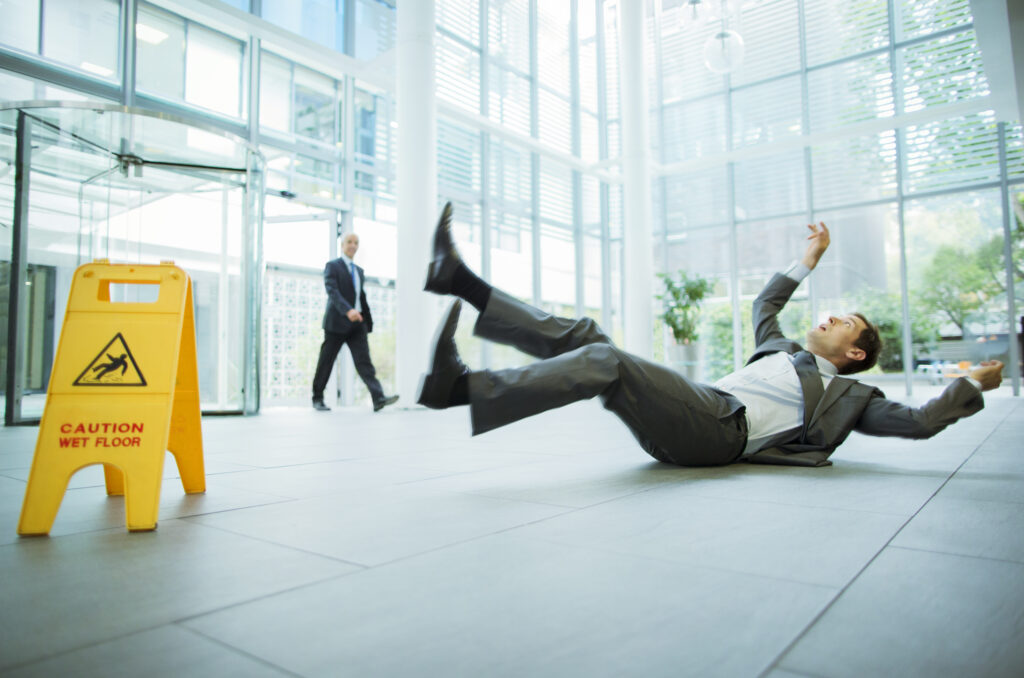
(833, 339)
(350, 244)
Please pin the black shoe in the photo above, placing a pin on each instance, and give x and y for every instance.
(446, 257)
(445, 365)
(319, 405)
(387, 400)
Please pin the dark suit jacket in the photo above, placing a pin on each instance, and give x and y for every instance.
(341, 297)
(847, 404)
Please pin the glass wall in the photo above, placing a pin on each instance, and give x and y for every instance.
(872, 116)
(536, 209)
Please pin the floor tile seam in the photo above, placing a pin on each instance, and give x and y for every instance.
(828, 606)
(234, 649)
(83, 646)
(192, 521)
(533, 502)
(283, 501)
(183, 621)
(146, 629)
(978, 501)
(242, 467)
(887, 545)
(1010, 411)
(467, 540)
(29, 538)
(847, 509)
(672, 561)
(269, 494)
(571, 507)
(287, 466)
(484, 469)
(448, 474)
(10, 477)
(970, 556)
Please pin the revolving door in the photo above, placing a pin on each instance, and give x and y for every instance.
(82, 181)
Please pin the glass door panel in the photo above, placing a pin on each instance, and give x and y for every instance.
(297, 242)
(105, 182)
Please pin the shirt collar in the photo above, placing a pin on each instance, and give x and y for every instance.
(825, 366)
(348, 262)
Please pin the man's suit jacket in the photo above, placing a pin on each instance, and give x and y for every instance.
(341, 297)
(847, 404)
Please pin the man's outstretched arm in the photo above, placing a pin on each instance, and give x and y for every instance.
(960, 399)
(777, 292)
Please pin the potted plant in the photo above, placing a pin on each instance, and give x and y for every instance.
(681, 307)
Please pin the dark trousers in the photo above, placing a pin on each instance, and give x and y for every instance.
(675, 420)
(360, 349)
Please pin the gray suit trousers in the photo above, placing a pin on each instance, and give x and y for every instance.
(675, 420)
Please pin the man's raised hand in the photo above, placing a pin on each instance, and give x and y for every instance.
(819, 241)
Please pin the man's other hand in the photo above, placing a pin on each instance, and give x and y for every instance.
(989, 374)
(819, 243)
(354, 315)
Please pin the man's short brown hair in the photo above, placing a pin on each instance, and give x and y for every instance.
(870, 342)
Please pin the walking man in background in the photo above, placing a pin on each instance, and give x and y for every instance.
(347, 320)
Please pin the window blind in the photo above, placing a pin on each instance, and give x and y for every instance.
(767, 112)
(458, 74)
(458, 159)
(771, 34)
(941, 71)
(509, 33)
(769, 185)
(508, 99)
(915, 18)
(693, 129)
(951, 153)
(461, 18)
(1015, 151)
(554, 120)
(553, 45)
(555, 194)
(857, 169)
(509, 184)
(850, 92)
(837, 29)
(696, 199)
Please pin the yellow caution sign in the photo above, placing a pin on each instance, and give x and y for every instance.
(124, 389)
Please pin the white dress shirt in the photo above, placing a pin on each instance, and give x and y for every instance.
(770, 389)
(356, 280)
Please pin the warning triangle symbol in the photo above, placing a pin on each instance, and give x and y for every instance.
(114, 365)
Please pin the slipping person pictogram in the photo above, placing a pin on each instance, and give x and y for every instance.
(114, 365)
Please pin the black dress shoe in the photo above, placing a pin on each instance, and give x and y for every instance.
(319, 405)
(445, 365)
(446, 257)
(387, 400)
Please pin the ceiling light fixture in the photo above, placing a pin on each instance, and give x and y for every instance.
(724, 48)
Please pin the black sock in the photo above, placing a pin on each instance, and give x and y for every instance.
(469, 286)
(460, 391)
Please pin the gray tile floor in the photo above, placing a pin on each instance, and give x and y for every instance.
(394, 544)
